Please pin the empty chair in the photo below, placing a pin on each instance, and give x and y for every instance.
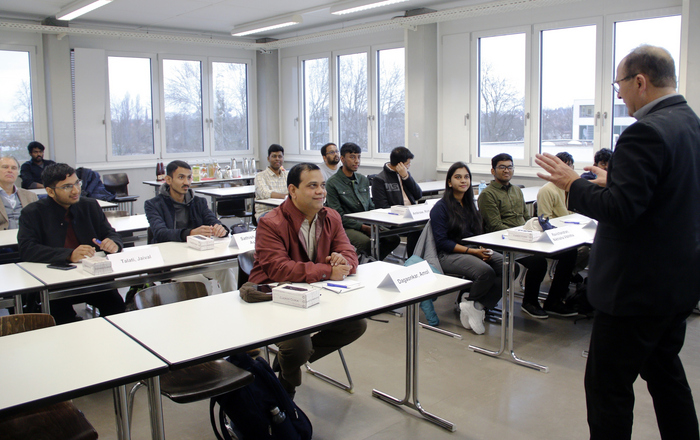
(118, 184)
(59, 421)
(197, 382)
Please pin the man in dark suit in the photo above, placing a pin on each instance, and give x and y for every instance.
(645, 254)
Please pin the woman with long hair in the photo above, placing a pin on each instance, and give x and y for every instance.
(453, 218)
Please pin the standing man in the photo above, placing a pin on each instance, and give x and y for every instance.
(13, 198)
(302, 242)
(502, 206)
(31, 170)
(395, 186)
(649, 208)
(271, 183)
(348, 192)
(64, 228)
(176, 213)
(331, 158)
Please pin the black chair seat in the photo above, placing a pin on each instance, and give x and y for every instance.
(203, 381)
(122, 199)
(61, 421)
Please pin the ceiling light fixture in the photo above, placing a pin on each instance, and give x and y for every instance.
(361, 5)
(76, 9)
(266, 25)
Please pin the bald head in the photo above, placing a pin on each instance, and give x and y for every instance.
(656, 63)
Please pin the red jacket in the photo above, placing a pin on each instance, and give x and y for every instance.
(279, 250)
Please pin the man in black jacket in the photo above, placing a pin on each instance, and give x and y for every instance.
(65, 228)
(395, 186)
(31, 170)
(646, 253)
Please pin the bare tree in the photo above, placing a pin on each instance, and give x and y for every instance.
(392, 106)
(231, 107)
(316, 103)
(183, 107)
(557, 123)
(132, 126)
(501, 109)
(352, 91)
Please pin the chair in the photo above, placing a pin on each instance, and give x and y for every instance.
(60, 421)
(233, 208)
(245, 265)
(198, 382)
(118, 184)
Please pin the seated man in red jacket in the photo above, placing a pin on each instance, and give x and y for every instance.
(301, 241)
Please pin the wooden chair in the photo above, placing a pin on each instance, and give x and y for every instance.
(60, 421)
(198, 382)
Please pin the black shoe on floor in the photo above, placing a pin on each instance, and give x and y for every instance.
(559, 309)
(534, 310)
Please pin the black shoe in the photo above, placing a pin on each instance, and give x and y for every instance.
(576, 279)
(534, 310)
(276, 365)
(559, 309)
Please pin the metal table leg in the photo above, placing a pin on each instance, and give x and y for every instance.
(121, 412)
(18, 304)
(374, 241)
(45, 308)
(155, 406)
(412, 374)
(508, 294)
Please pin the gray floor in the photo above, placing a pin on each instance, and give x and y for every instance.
(485, 397)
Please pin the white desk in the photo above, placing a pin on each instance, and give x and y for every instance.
(233, 193)
(431, 188)
(498, 240)
(270, 202)
(41, 193)
(207, 182)
(221, 324)
(377, 218)
(72, 360)
(178, 259)
(16, 282)
(8, 237)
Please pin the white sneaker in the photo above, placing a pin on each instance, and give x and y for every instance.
(463, 317)
(474, 317)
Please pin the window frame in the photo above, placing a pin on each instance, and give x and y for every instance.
(301, 123)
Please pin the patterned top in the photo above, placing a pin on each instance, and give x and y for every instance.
(267, 182)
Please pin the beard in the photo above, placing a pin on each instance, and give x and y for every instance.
(333, 161)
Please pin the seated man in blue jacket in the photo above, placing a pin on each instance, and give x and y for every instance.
(64, 228)
(176, 213)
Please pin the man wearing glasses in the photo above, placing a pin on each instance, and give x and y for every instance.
(65, 228)
(502, 206)
(331, 159)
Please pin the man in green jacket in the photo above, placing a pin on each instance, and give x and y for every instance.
(348, 192)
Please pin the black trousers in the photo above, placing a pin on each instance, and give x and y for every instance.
(108, 302)
(623, 348)
(537, 270)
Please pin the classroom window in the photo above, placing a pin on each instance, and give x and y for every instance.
(230, 115)
(568, 66)
(352, 100)
(660, 31)
(16, 110)
(391, 98)
(182, 91)
(130, 105)
(316, 102)
(502, 95)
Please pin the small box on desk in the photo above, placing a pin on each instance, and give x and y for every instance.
(97, 265)
(296, 296)
(521, 234)
(200, 242)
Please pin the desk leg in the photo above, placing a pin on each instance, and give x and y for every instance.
(507, 300)
(374, 241)
(18, 304)
(155, 406)
(121, 412)
(45, 308)
(412, 374)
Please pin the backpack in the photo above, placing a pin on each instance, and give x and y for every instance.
(260, 410)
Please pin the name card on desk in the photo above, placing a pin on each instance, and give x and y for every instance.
(409, 277)
(562, 235)
(138, 258)
(415, 212)
(244, 242)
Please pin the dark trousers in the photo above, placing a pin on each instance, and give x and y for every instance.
(536, 271)
(295, 352)
(623, 348)
(108, 302)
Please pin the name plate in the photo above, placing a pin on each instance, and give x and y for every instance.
(244, 242)
(415, 212)
(140, 257)
(409, 277)
(564, 235)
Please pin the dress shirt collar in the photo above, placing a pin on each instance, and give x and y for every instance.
(639, 114)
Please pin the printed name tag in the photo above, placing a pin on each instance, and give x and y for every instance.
(564, 235)
(244, 241)
(415, 212)
(409, 277)
(139, 258)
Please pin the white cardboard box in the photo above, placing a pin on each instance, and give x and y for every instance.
(296, 296)
(97, 265)
(200, 242)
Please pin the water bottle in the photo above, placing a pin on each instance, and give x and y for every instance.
(482, 186)
(246, 169)
(278, 416)
(234, 163)
(253, 168)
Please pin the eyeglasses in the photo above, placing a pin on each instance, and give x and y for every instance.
(331, 152)
(616, 84)
(68, 188)
(504, 167)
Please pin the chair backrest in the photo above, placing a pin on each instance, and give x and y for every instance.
(9, 325)
(109, 214)
(169, 293)
(117, 183)
(371, 177)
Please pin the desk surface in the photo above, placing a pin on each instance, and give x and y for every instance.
(205, 182)
(434, 187)
(103, 204)
(15, 280)
(233, 191)
(530, 193)
(218, 324)
(59, 363)
(270, 202)
(382, 217)
(8, 237)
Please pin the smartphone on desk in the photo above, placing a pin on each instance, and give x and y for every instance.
(264, 288)
(61, 266)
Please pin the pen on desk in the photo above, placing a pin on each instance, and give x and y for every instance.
(336, 285)
(392, 213)
(503, 236)
(573, 223)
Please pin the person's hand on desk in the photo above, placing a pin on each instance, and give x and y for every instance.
(107, 245)
(366, 229)
(601, 175)
(340, 271)
(82, 251)
(335, 259)
(218, 231)
(208, 231)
